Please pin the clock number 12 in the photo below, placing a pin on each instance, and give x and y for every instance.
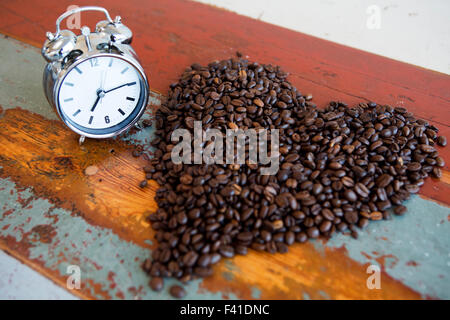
(94, 62)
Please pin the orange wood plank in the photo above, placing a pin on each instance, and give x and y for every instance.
(168, 36)
(41, 154)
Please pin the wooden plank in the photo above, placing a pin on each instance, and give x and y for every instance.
(169, 35)
(172, 34)
(41, 154)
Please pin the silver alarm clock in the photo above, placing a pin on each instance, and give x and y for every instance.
(94, 80)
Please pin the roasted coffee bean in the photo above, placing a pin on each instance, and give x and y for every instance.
(376, 215)
(350, 195)
(437, 172)
(143, 183)
(156, 283)
(400, 210)
(186, 179)
(312, 232)
(384, 180)
(351, 217)
(227, 251)
(339, 168)
(325, 226)
(362, 190)
(177, 292)
(414, 166)
(442, 141)
(190, 258)
(289, 238)
(203, 272)
(242, 250)
(301, 237)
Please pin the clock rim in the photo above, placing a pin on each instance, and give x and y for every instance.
(120, 130)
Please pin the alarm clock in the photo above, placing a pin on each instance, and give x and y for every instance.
(94, 80)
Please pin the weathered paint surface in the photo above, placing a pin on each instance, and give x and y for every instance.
(413, 248)
(23, 282)
(52, 215)
(171, 34)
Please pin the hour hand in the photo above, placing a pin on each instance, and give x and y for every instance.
(95, 103)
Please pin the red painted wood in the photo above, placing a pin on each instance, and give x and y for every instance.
(171, 34)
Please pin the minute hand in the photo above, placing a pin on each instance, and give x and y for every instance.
(123, 85)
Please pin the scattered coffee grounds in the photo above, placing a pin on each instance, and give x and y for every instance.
(339, 168)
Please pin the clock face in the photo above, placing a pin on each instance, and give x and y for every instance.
(101, 95)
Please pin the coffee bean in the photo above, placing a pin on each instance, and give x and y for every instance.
(186, 179)
(227, 251)
(384, 180)
(190, 258)
(347, 181)
(177, 292)
(376, 215)
(136, 153)
(241, 249)
(351, 217)
(339, 168)
(289, 238)
(203, 272)
(143, 183)
(442, 141)
(156, 283)
(414, 166)
(204, 260)
(325, 226)
(312, 232)
(437, 172)
(301, 237)
(215, 96)
(245, 236)
(258, 102)
(350, 195)
(363, 222)
(362, 190)
(412, 188)
(400, 210)
(335, 165)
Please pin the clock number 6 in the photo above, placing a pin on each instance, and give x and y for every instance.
(106, 119)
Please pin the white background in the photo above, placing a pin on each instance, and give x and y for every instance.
(413, 31)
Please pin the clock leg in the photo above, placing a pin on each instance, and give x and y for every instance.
(81, 140)
(139, 125)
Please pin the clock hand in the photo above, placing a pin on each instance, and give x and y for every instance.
(96, 101)
(101, 93)
(123, 85)
(102, 80)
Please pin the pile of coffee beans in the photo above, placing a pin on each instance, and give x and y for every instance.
(340, 168)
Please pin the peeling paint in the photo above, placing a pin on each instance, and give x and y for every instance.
(415, 251)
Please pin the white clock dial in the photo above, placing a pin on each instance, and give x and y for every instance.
(100, 93)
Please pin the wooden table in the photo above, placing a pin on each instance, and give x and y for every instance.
(53, 215)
